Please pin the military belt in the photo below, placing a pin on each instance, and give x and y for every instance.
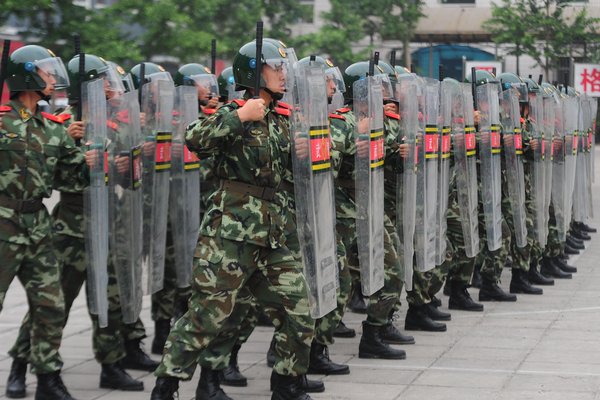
(287, 186)
(71, 199)
(262, 192)
(22, 206)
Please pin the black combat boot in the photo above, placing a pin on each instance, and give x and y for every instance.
(391, 335)
(271, 353)
(209, 387)
(490, 291)
(162, 327)
(308, 385)
(165, 389)
(418, 319)
(357, 301)
(320, 363)
(570, 250)
(548, 268)
(51, 387)
(372, 346)
(460, 298)
(584, 228)
(135, 358)
(342, 331)
(287, 387)
(231, 375)
(536, 278)
(436, 314)
(519, 283)
(113, 376)
(579, 234)
(15, 385)
(563, 266)
(435, 301)
(574, 243)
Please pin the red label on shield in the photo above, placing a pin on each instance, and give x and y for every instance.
(431, 143)
(495, 137)
(162, 160)
(377, 152)
(470, 142)
(518, 141)
(319, 149)
(445, 144)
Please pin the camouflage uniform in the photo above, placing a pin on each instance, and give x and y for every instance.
(384, 301)
(39, 156)
(242, 245)
(69, 244)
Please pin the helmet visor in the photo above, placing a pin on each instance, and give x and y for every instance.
(159, 76)
(281, 67)
(520, 88)
(335, 75)
(53, 69)
(112, 81)
(207, 85)
(386, 86)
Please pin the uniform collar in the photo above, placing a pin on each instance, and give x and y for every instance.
(24, 113)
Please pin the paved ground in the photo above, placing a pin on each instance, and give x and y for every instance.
(542, 347)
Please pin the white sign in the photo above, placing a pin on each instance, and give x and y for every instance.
(489, 66)
(587, 79)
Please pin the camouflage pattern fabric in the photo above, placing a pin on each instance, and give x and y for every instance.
(38, 156)
(242, 244)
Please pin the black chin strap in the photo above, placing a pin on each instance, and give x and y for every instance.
(274, 96)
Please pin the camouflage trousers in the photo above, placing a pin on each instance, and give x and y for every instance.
(460, 267)
(492, 262)
(216, 356)
(38, 269)
(427, 284)
(554, 247)
(171, 299)
(384, 302)
(108, 343)
(223, 269)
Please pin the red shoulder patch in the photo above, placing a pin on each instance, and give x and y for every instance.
(123, 116)
(343, 110)
(65, 117)
(5, 108)
(239, 102)
(53, 118)
(392, 115)
(284, 105)
(283, 111)
(209, 111)
(522, 120)
(175, 113)
(337, 116)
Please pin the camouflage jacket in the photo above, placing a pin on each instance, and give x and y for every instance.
(343, 150)
(38, 156)
(254, 153)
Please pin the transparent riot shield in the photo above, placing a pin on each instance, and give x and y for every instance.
(537, 134)
(490, 158)
(591, 101)
(579, 193)
(571, 131)
(314, 189)
(368, 108)
(548, 153)
(184, 193)
(513, 161)
(449, 95)
(593, 114)
(157, 109)
(465, 165)
(559, 176)
(406, 196)
(125, 201)
(427, 173)
(96, 199)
